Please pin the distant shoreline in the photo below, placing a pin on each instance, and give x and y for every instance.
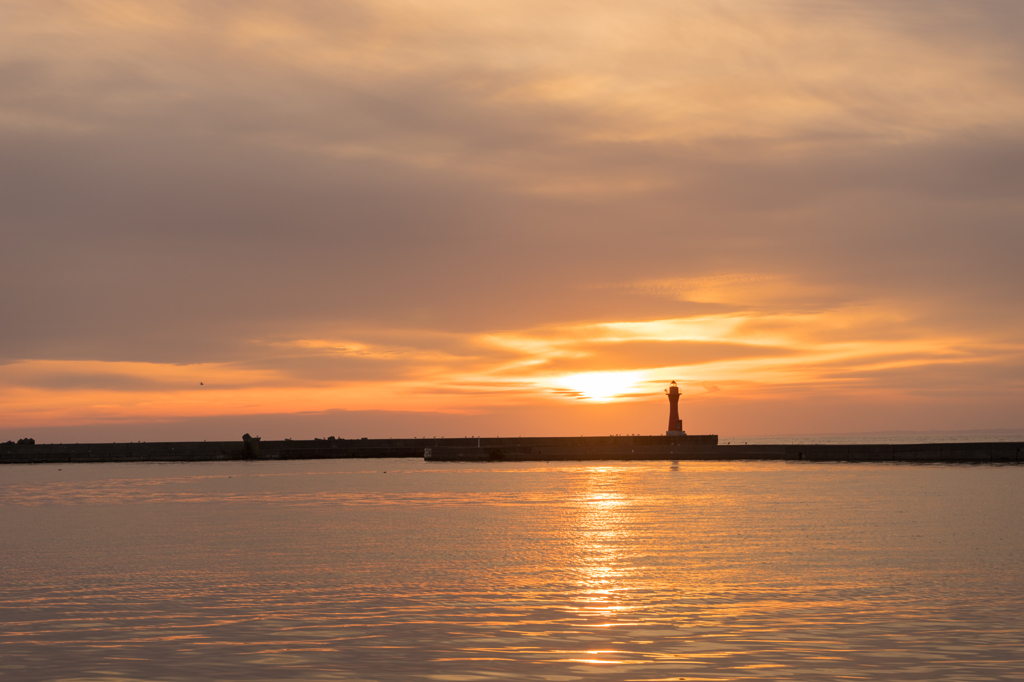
(584, 448)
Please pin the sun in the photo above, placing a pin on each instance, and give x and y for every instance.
(601, 386)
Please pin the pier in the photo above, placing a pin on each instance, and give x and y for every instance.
(583, 448)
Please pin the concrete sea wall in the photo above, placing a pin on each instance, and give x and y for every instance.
(332, 448)
(210, 451)
(568, 449)
(901, 452)
(930, 452)
(589, 448)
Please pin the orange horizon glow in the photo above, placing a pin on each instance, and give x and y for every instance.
(797, 351)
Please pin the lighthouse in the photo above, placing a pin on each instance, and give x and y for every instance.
(675, 424)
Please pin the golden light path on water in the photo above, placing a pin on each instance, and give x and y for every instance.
(402, 569)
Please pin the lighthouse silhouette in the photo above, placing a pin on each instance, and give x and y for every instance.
(675, 424)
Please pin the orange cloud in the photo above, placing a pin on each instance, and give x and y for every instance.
(739, 355)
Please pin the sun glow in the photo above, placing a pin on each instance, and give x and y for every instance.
(601, 386)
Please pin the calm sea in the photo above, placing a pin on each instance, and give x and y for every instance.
(405, 570)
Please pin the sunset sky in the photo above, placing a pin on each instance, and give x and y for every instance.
(453, 217)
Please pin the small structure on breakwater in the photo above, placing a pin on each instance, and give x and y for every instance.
(675, 424)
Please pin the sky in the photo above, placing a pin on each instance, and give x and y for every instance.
(450, 218)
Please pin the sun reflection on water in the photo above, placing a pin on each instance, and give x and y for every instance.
(601, 544)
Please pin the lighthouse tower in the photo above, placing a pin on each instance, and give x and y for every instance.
(675, 424)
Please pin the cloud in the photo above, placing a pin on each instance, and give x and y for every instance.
(652, 354)
(481, 197)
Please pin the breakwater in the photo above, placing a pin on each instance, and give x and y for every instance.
(584, 448)
(330, 448)
(207, 451)
(683, 451)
